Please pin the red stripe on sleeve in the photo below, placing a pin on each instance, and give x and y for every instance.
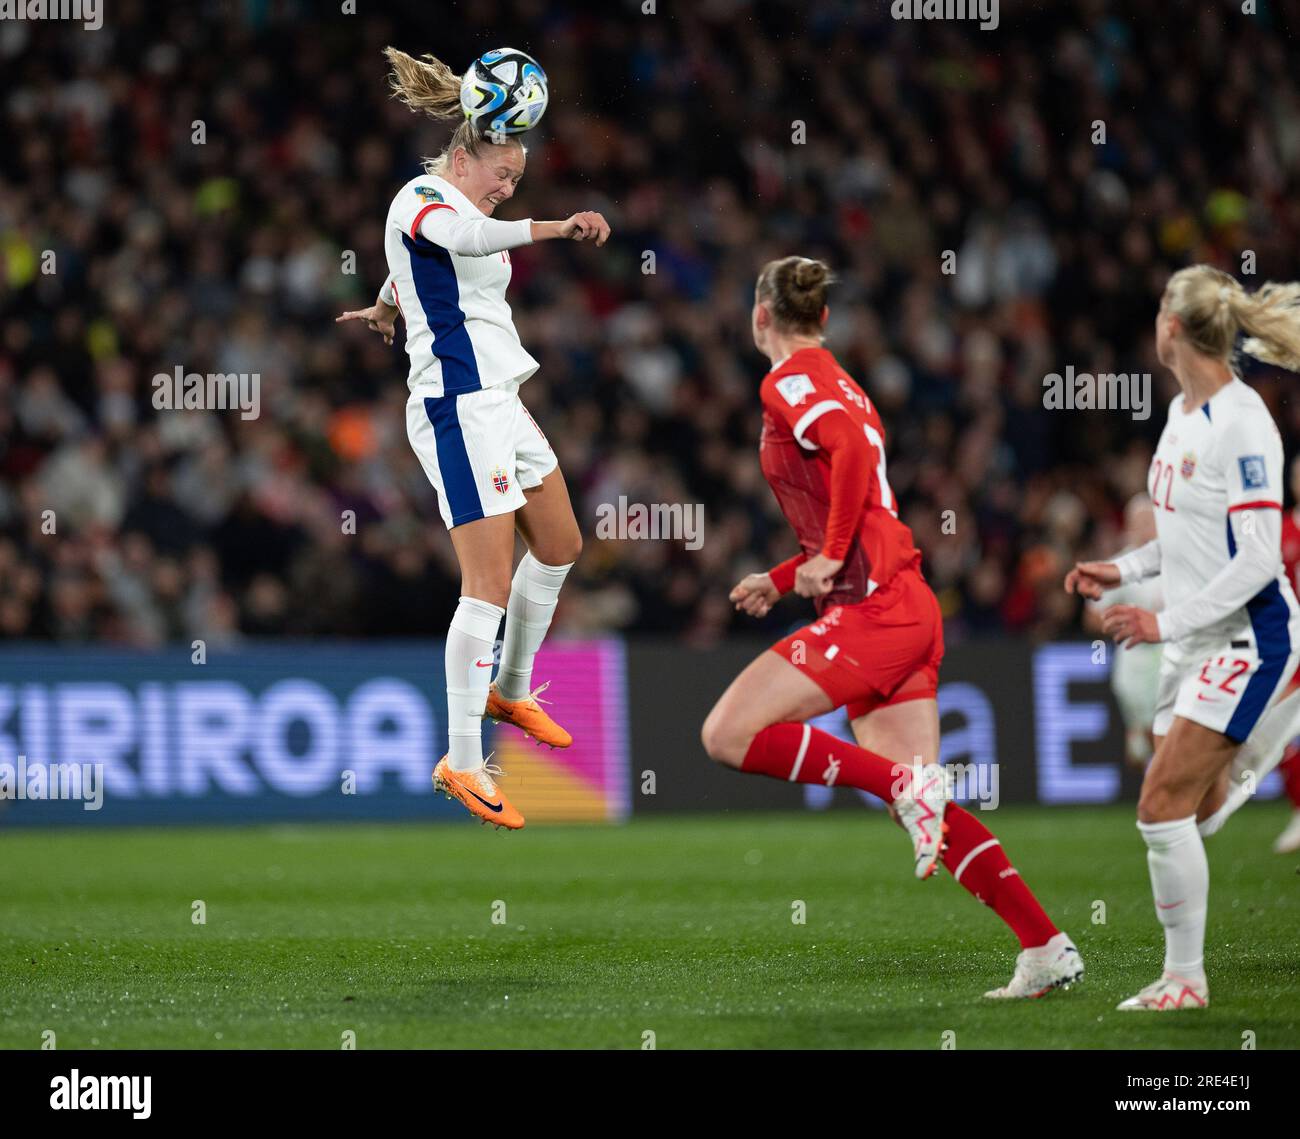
(1255, 506)
(415, 225)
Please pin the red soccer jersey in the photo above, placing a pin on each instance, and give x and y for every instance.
(797, 395)
(1291, 547)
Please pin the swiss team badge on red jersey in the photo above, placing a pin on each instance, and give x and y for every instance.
(796, 395)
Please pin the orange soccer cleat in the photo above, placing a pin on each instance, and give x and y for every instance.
(477, 793)
(527, 716)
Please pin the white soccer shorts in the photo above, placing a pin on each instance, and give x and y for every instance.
(1227, 684)
(480, 449)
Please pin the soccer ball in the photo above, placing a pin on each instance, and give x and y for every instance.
(504, 93)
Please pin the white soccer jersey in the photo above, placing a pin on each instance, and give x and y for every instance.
(1216, 485)
(1230, 622)
(449, 267)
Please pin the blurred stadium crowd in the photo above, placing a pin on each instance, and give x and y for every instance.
(229, 256)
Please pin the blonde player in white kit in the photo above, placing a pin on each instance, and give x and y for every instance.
(1231, 624)
(492, 468)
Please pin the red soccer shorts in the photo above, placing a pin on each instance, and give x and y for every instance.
(884, 650)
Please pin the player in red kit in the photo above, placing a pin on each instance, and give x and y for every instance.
(1288, 842)
(876, 646)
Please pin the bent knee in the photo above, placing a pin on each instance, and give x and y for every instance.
(571, 551)
(723, 743)
(562, 550)
(495, 590)
(1160, 804)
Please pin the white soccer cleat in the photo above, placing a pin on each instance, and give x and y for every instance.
(921, 809)
(1288, 842)
(1169, 993)
(1056, 965)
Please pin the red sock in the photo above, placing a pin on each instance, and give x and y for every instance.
(975, 858)
(801, 753)
(1290, 769)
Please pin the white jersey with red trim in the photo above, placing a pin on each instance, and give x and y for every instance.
(449, 266)
(1216, 485)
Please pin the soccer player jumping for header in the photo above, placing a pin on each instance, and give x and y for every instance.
(1231, 624)
(878, 641)
(489, 462)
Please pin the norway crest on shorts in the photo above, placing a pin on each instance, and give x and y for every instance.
(500, 480)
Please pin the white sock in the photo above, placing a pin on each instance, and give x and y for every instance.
(533, 596)
(470, 641)
(1180, 882)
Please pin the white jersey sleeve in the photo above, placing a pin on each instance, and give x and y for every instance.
(1248, 452)
(1140, 564)
(441, 223)
(474, 237)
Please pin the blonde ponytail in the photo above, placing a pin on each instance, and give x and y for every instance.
(429, 85)
(1213, 307)
(1271, 320)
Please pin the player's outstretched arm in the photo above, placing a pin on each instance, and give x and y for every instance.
(483, 237)
(585, 226)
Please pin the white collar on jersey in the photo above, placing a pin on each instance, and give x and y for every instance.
(1236, 379)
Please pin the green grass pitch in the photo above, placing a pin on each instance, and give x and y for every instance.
(677, 926)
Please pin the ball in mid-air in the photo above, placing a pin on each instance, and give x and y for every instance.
(504, 93)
